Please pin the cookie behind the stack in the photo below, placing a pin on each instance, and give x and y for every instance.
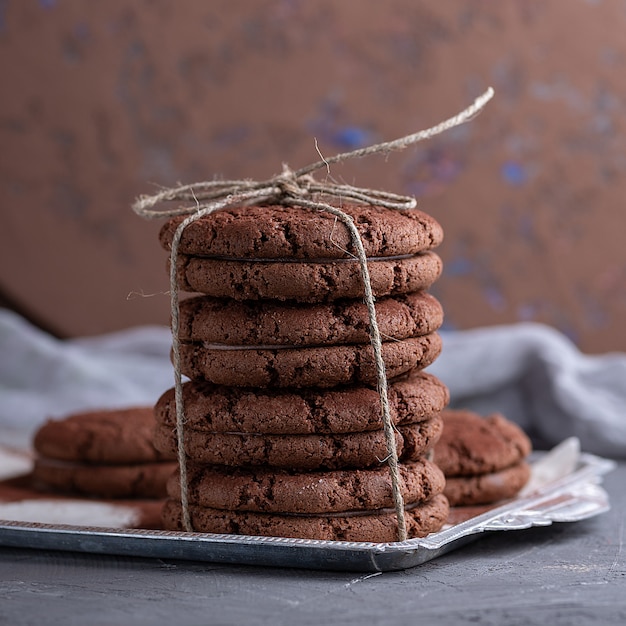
(351, 505)
(483, 458)
(106, 453)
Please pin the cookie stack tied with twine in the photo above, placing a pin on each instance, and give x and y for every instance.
(282, 381)
(305, 355)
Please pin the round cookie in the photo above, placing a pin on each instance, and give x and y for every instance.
(320, 366)
(114, 436)
(277, 231)
(414, 397)
(268, 323)
(141, 480)
(279, 491)
(487, 488)
(307, 281)
(302, 452)
(378, 527)
(472, 444)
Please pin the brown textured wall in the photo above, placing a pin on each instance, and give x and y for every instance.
(102, 101)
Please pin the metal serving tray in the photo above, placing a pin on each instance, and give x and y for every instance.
(566, 489)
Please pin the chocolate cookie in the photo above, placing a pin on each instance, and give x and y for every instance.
(280, 491)
(379, 527)
(305, 452)
(487, 488)
(115, 436)
(414, 397)
(320, 366)
(277, 232)
(307, 281)
(269, 323)
(140, 480)
(472, 444)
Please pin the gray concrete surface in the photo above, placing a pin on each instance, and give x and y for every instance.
(564, 574)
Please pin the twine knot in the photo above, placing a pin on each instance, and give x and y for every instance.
(293, 185)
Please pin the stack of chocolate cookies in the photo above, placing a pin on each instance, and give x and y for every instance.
(283, 430)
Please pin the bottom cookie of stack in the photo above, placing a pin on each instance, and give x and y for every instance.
(342, 505)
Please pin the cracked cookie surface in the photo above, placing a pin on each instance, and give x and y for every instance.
(305, 452)
(280, 491)
(378, 527)
(279, 231)
(307, 281)
(473, 444)
(320, 366)
(213, 320)
(414, 397)
(114, 436)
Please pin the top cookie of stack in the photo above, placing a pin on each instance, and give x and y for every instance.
(290, 253)
(283, 313)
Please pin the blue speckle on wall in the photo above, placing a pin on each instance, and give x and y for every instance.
(460, 266)
(352, 137)
(494, 298)
(47, 4)
(431, 171)
(527, 312)
(514, 173)
(336, 125)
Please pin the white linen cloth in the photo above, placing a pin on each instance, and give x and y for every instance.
(529, 372)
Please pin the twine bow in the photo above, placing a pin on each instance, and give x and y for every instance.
(294, 188)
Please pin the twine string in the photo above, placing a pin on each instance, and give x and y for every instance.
(404, 142)
(299, 182)
(292, 188)
(176, 361)
(381, 376)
